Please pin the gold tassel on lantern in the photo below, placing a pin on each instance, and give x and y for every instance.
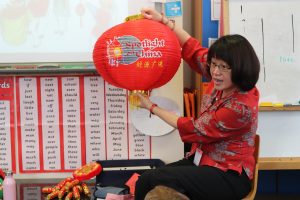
(134, 100)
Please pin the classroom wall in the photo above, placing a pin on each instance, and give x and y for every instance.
(278, 130)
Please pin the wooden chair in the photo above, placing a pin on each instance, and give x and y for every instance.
(252, 193)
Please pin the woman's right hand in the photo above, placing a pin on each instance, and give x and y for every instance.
(144, 101)
(169, 117)
(150, 13)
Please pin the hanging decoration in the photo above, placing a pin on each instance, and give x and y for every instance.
(137, 55)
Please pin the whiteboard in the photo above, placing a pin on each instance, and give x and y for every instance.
(58, 30)
(273, 28)
(279, 133)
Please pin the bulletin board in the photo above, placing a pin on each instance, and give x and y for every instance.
(272, 27)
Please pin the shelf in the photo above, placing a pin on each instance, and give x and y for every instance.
(285, 108)
(279, 163)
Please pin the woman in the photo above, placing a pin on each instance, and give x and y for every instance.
(220, 163)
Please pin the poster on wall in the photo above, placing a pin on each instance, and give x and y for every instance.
(65, 122)
(7, 139)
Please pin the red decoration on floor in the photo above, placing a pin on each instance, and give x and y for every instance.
(87, 171)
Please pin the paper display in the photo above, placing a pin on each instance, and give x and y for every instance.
(65, 122)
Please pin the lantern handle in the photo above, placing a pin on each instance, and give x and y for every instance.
(134, 17)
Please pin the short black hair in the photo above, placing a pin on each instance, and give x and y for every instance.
(239, 54)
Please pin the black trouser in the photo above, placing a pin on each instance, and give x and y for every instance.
(197, 182)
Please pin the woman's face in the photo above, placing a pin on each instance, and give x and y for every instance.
(221, 76)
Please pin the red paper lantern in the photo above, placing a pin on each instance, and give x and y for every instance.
(137, 55)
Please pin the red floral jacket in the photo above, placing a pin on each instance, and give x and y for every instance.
(225, 130)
